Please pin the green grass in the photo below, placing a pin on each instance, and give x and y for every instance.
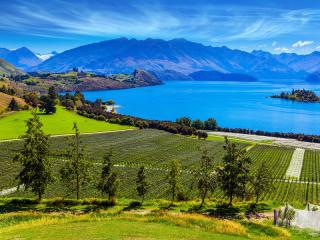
(123, 225)
(12, 126)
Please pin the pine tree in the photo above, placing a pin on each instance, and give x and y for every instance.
(13, 105)
(35, 173)
(109, 181)
(174, 178)
(142, 184)
(76, 172)
(206, 177)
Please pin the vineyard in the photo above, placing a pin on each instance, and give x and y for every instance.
(154, 149)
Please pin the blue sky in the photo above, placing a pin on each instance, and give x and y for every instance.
(272, 25)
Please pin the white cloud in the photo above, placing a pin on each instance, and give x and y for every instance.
(282, 49)
(318, 48)
(274, 43)
(302, 44)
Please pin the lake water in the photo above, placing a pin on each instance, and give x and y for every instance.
(243, 105)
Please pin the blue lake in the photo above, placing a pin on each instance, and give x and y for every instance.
(243, 105)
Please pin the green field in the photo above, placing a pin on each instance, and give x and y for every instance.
(12, 126)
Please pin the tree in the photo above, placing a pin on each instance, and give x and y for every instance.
(32, 99)
(233, 176)
(174, 178)
(13, 105)
(184, 121)
(142, 184)
(210, 124)
(35, 173)
(198, 124)
(109, 181)
(206, 177)
(48, 102)
(261, 181)
(75, 173)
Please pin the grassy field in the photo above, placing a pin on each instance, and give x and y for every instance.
(12, 126)
(131, 225)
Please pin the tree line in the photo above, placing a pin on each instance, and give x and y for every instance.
(234, 176)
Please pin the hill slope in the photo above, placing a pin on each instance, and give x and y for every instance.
(160, 56)
(8, 69)
(5, 100)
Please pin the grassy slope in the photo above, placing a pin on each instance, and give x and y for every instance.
(8, 69)
(13, 126)
(5, 100)
(108, 225)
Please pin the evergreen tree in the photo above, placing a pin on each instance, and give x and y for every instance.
(48, 102)
(206, 177)
(261, 181)
(174, 178)
(35, 173)
(233, 176)
(142, 184)
(75, 174)
(13, 105)
(109, 181)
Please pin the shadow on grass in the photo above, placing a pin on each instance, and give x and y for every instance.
(54, 205)
(133, 206)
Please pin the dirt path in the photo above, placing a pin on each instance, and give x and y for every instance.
(70, 134)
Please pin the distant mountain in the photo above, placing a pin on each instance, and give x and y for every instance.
(218, 76)
(177, 57)
(308, 63)
(8, 69)
(46, 56)
(22, 58)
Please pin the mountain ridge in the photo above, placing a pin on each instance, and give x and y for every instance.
(178, 56)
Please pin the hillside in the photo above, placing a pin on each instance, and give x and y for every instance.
(5, 100)
(8, 69)
(85, 81)
(175, 56)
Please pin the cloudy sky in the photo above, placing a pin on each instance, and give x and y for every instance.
(272, 25)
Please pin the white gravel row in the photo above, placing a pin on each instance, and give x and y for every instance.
(296, 163)
(275, 140)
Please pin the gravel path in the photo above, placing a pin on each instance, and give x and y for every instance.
(296, 163)
(275, 140)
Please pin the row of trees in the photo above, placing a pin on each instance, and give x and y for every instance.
(209, 124)
(95, 111)
(233, 176)
(298, 136)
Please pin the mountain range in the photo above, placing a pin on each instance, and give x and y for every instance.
(176, 59)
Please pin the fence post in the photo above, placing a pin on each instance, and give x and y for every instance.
(275, 216)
